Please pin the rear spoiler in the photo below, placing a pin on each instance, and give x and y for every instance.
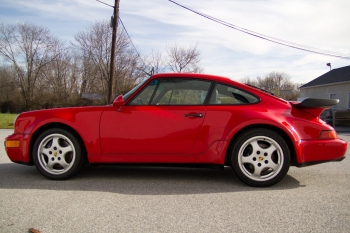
(315, 106)
(317, 103)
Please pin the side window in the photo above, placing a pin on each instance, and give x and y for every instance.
(223, 94)
(144, 97)
(181, 92)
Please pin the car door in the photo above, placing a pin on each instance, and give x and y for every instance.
(163, 118)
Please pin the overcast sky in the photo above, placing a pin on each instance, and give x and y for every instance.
(154, 24)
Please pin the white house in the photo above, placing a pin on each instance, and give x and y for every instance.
(334, 84)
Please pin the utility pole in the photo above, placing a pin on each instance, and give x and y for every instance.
(112, 67)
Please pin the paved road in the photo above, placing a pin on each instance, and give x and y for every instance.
(120, 199)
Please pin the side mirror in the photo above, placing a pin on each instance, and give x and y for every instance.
(118, 103)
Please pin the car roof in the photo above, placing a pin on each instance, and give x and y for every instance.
(217, 79)
(195, 75)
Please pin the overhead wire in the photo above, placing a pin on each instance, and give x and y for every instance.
(268, 38)
(126, 31)
(120, 20)
(105, 3)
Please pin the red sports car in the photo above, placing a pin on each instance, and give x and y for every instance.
(181, 120)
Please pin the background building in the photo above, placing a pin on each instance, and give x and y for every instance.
(334, 84)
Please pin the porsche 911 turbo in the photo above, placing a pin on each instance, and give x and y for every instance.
(178, 119)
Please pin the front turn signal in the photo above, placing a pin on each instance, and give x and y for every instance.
(12, 143)
(328, 134)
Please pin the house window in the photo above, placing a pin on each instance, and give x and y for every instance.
(333, 96)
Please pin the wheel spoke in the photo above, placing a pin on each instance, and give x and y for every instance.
(46, 151)
(247, 159)
(256, 147)
(50, 164)
(65, 150)
(257, 171)
(273, 166)
(63, 163)
(55, 142)
(270, 150)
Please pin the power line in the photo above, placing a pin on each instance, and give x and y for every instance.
(105, 3)
(268, 38)
(120, 20)
(138, 54)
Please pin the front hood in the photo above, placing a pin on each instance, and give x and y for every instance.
(65, 109)
(26, 122)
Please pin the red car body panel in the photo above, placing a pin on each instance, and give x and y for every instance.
(162, 134)
(157, 130)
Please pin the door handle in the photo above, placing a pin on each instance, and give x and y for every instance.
(199, 115)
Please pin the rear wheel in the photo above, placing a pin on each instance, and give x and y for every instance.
(57, 154)
(260, 157)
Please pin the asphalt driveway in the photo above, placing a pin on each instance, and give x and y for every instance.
(131, 199)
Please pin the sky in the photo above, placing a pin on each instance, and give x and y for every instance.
(154, 25)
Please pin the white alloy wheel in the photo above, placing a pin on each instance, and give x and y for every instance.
(260, 157)
(57, 154)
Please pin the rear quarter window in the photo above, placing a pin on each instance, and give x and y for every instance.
(224, 95)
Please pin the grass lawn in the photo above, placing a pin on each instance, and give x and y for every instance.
(6, 120)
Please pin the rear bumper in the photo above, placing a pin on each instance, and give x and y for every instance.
(19, 154)
(318, 162)
(311, 152)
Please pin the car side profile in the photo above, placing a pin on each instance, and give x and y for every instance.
(178, 119)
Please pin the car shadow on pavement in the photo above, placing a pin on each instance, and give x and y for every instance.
(135, 180)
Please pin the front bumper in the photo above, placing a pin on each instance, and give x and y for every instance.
(318, 151)
(20, 153)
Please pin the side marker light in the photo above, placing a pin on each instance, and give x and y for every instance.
(12, 143)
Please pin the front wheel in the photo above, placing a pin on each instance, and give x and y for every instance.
(260, 157)
(57, 154)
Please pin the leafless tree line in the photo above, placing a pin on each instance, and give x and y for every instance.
(278, 83)
(40, 71)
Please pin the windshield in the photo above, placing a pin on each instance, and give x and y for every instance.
(127, 95)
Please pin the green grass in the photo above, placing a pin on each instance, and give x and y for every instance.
(6, 120)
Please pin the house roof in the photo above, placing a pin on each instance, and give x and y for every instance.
(334, 76)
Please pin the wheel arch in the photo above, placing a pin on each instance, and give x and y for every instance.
(282, 133)
(43, 128)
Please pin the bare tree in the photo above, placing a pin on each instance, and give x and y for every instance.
(181, 59)
(9, 92)
(249, 81)
(29, 48)
(154, 64)
(277, 82)
(60, 80)
(94, 46)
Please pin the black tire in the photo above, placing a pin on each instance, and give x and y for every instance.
(57, 154)
(260, 157)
